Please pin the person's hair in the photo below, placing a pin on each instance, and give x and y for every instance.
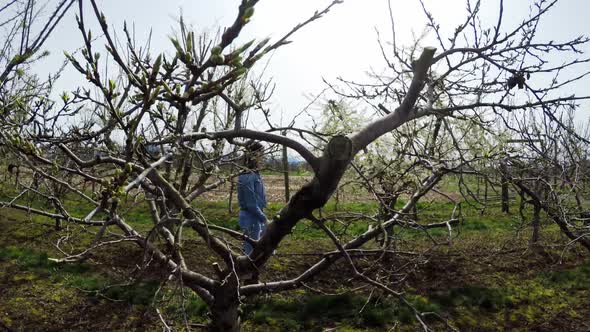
(252, 149)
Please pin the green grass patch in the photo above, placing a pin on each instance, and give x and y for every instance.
(483, 298)
(78, 275)
(311, 312)
(138, 293)
(573, 279)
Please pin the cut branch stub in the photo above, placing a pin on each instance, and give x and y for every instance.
(339, 148)
(336, 158)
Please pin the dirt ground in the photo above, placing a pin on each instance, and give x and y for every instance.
(349, 193)
(273, 184)
(275, 190)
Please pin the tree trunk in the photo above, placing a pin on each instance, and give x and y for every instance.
(225, 318)
(225, 313)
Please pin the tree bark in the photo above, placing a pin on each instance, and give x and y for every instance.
(225, 314)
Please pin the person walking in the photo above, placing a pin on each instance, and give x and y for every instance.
(252, 196)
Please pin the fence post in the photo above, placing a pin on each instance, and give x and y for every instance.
(286, 170)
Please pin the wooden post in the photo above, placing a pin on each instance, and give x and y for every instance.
(536, 224)
(57, 211)
(485, 196)
(505, 194)
(230, 208)
(286, 170)
(414, 215)
(57, 224)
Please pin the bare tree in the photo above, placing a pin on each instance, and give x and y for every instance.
(550, 173)
(158, 132)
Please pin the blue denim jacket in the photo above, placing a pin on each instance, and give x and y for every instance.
(252, 198)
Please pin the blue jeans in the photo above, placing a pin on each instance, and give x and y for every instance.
(252, 227)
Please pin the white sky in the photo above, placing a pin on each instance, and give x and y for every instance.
(343, 43)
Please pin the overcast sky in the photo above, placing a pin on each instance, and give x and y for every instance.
(343, 43)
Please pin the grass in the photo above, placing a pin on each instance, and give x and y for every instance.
(310, 312)
(573, 279)
(78, 275)
(472, 306)
(465, 282)
(40, 294)
(473, 222)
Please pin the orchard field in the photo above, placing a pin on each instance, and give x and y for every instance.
(486, 278)
(426, 165)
